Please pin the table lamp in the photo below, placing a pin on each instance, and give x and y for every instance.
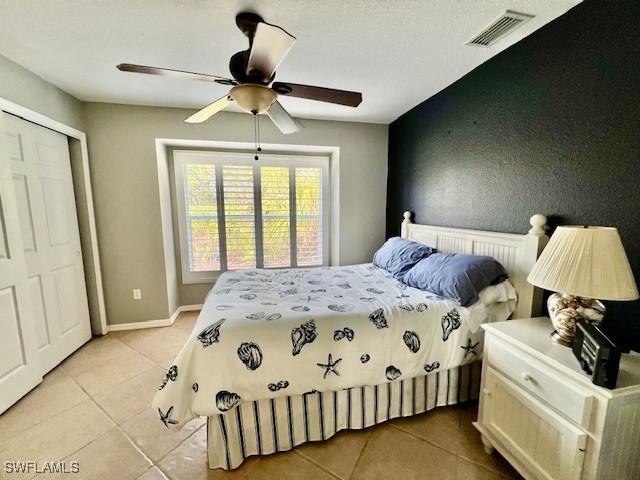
(583, 265)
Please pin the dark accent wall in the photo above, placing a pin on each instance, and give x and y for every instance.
(551, 125)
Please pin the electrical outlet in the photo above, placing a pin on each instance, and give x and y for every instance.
(137, 294)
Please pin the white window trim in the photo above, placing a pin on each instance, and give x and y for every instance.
(292, 160)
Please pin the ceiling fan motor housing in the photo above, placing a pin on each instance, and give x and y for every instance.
(253, 98)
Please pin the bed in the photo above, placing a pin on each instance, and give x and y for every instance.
(282, 357)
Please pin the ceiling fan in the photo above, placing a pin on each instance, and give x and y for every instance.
(252, 71)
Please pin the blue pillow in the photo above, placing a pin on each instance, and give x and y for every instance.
(456, 276)
(398, 255)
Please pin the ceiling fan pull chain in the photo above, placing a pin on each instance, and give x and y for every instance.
(256, 129)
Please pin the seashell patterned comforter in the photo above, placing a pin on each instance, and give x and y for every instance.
(268, 333)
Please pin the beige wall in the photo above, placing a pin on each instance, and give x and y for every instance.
(27, 89)
(125, 185)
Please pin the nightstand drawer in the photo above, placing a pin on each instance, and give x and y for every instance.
(540, 380)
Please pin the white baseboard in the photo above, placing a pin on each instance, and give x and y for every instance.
(190, 308)
(163, 322)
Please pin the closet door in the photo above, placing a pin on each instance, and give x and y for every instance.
(43, 186)
(19, 365)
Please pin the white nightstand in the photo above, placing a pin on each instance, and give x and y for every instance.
(543, 414)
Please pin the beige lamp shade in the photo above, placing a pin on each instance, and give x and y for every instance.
(588, 262)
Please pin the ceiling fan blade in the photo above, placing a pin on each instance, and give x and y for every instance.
(269, 47)
(321, 94)
(167, 72)
(281, 118)
(209, 111)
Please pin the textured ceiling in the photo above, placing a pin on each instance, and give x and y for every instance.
(398, 53)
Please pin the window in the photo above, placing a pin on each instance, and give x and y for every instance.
(236, 213)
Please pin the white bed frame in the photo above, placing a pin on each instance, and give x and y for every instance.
(518, 253)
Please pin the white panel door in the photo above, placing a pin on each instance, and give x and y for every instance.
(19, 364)
(43, 186)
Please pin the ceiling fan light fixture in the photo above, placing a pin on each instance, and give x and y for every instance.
(253, 98)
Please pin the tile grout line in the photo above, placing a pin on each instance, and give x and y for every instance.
(117, 427)
(66, 408)
(312, 461)
(181, 442)
(154, 463)
(60, 365)
(355, 465)
(141, 353)
(457, 455)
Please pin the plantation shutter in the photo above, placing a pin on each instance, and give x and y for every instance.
(276, 217)
(308, 187)
(239, 216)
(202, 217)
(239, 213)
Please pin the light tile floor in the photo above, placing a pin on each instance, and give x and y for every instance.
(95, 409)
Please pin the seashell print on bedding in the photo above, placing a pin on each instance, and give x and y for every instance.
(344, 308)
(450, 322)
(224, 307)
(274, 387)
(300, 308)
(300, 336)
(225, 400)
(406, 306)
(330, 366)
(288, 292)
(430, 367)
(469, 348)
(344, 333)
(392, 373)
(166, 417)
(377, 318)
(412, 341)
(251, 359)
(250, 354)
(211, 334)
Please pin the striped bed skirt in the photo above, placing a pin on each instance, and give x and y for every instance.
(263, 427)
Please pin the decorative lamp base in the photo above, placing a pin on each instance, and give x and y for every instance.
(557, 338)
(566, 311)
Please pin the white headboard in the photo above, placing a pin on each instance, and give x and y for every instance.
(518, 253)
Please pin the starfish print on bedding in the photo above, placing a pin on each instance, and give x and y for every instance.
(330, 366)
(166, 417)
(469, 348)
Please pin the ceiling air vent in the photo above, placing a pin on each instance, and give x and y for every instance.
(498, 29)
